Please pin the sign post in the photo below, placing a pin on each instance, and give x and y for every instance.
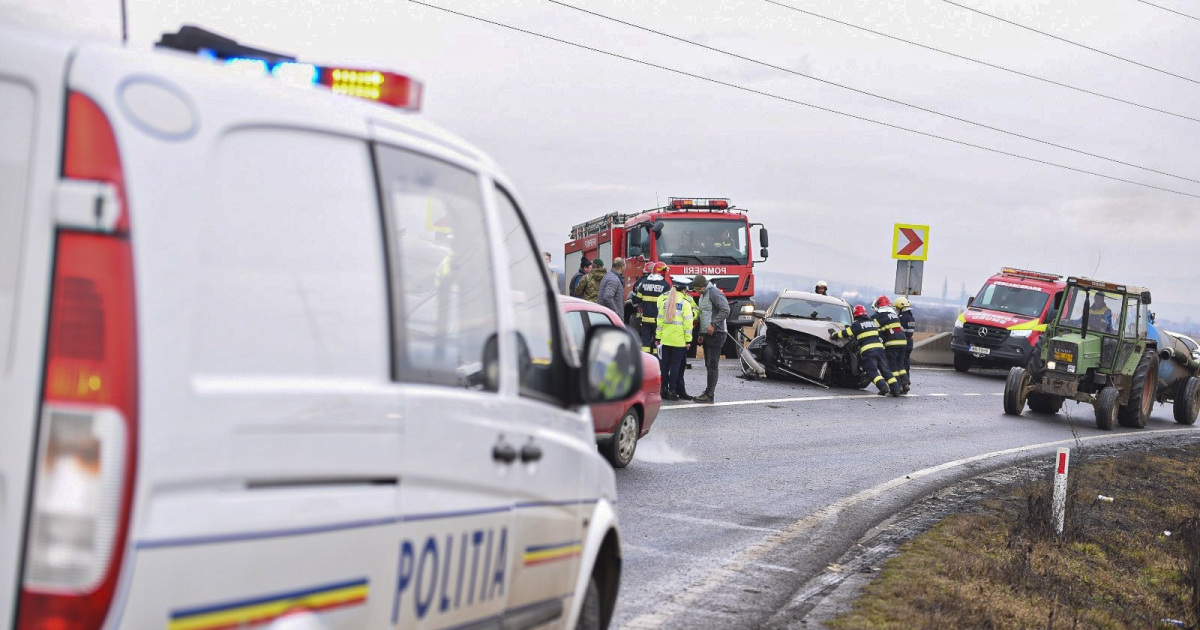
(1059, 506)
(910, 248)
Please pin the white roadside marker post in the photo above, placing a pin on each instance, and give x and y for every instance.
(1060, 488)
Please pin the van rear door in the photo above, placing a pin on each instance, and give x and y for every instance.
(32, 69)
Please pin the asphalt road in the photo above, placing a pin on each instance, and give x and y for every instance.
(729, 510)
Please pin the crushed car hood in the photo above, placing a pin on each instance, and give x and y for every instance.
(818, 329)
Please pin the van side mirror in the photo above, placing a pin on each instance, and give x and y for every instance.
(763, 240)
(1051, 315)
(970, 301)
(612, 367)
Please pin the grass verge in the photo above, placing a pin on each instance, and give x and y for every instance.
(1002, 565)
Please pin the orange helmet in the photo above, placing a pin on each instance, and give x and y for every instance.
(860, 310)
(660, 267)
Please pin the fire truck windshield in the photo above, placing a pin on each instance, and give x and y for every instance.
(703, 241)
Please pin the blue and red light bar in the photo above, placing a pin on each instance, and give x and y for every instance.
(380, 86)
(389, 88)
(698, 204)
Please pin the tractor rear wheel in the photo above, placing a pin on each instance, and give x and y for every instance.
(1106, 407)
(1014, 391)
(1142, 391)
(1187, 401)
(1045, 403)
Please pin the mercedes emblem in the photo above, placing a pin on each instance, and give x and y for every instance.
(982, 331)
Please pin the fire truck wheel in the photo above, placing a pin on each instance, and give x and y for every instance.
(962, 362)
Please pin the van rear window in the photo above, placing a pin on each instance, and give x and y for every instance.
(16, 136)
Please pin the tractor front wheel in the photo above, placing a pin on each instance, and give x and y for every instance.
(1106, 408)
(1014, 391)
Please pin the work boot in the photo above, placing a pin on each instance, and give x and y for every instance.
(670, 396)
(704, 398)
(896, 390)
(883, 390)
(905, 389)
(686, 396)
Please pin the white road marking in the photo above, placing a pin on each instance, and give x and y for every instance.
(683, 600)
(715, 523)
(768, 401)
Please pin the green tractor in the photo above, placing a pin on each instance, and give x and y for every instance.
(1097, 349)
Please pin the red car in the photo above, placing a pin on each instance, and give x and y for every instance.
(618, 425)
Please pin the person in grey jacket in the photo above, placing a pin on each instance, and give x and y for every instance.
(714, 311)
(612, 289)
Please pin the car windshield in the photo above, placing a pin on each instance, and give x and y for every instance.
(1012, 298)
(1104, 310)
(812, 309)
(703, 241)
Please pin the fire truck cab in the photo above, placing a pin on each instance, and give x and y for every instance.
(708, 236)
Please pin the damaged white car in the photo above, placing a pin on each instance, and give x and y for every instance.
(792, 340)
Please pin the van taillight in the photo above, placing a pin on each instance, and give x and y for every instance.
(87, 434)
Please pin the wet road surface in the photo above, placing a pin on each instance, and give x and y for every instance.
(728, 510)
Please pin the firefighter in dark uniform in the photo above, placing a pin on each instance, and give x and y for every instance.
(645, 298)
(865, 331)
(908, 322)
(895, 344)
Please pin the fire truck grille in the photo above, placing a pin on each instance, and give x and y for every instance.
(984, 335)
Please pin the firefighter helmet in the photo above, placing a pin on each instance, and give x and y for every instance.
(881, 302)
(648, 268)
(660, 267)
(860, 310)
(902, 303)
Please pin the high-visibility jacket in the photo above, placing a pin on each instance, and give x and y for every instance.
(646, 293)
(676, 333)
(865, 330)
(890, 328)
(909, 322)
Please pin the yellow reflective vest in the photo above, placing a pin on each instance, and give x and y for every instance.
(677, 333)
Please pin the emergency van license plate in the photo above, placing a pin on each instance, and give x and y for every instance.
(980, 352)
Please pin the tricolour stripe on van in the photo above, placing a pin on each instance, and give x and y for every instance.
(265, 609)
(550, 553)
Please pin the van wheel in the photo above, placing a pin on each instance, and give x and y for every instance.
(1045, 403)
(624, 441)
(1106, 408)
(589, 616)
(1141, 393)
(1014, 391)
(1187, 401)
(962, 362)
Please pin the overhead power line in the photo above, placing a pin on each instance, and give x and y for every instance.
(1071, 42)
(785, 99)
(982, 62)
(871, 94)
(1169, 10)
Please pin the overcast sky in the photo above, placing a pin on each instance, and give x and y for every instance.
(583, 134)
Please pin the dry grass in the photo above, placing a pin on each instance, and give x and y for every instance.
(1002, 566)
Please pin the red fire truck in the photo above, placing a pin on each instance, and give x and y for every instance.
(708, 236)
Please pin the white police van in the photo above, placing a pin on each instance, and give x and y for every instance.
(276, 357)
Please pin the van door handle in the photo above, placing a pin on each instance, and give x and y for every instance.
(531, 453)
(504, 452)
